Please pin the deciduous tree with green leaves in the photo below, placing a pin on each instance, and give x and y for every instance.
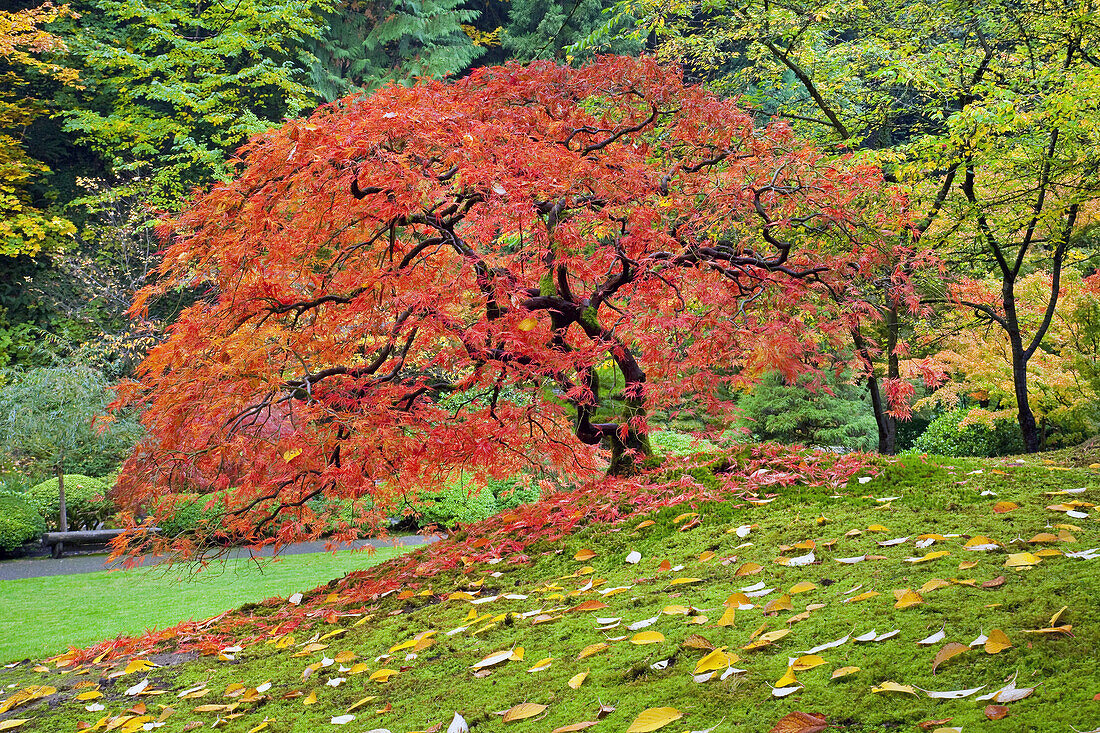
(171, 88)
(47, 413)
(986, 110)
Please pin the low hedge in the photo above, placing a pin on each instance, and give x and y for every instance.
(20, 522)
(86, 501)
(944, 437)
(191, 514)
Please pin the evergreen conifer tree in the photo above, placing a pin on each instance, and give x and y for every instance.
(367, 45)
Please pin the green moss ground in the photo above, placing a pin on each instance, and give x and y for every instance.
(934, 497)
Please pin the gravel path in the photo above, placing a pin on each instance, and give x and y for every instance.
(40, 567)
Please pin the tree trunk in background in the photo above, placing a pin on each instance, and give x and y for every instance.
(1028, 428)
(63, 523)
(63, 514)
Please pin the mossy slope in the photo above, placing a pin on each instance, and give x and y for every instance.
(435, 678)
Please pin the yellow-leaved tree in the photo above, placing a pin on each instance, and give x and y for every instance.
(27, 224)
(976, 357)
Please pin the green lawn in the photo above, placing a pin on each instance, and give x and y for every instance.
(44, 616)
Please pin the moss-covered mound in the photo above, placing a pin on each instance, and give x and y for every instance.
(913, 591)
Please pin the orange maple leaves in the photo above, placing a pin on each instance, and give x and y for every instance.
(464, 275)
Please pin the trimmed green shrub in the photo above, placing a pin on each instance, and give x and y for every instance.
(86, 501)
(191, 514)
(456, 505)
(944, 437)
(20, 522)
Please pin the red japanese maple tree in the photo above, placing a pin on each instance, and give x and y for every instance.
(446, 278)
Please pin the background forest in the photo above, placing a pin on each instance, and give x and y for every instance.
(982, 113)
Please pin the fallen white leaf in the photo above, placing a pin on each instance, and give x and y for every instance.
(138, 687)
(934, 638)
(829, 645)
(458, 725)
(951, 694)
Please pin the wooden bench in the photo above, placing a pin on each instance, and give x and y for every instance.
(56, 541)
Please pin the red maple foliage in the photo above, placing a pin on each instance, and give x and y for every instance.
(497, 273)
(761, 471)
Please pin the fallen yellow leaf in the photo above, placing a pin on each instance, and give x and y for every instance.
(889, 686)
(783, 603)
(997, 642)
(575, 727)
(717, 659)
(647, 637)
(933, 584)
(577, 680)
(685, 581)
(523, 711)
(654, 718)
(908, 599)
(788, 679)
(930, 556)
(774, 635)
(808, 661)
(360, 703)
(727, 617)
(1021, 559)
(591, 649)
(861, 597)
(950, 650)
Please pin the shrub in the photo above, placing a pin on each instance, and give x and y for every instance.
(20, 522)
(456, 505)
(191, 513)
(512, 492)
(944, 437)
(86, 501)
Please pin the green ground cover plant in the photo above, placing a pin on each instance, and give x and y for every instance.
(712, 605)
